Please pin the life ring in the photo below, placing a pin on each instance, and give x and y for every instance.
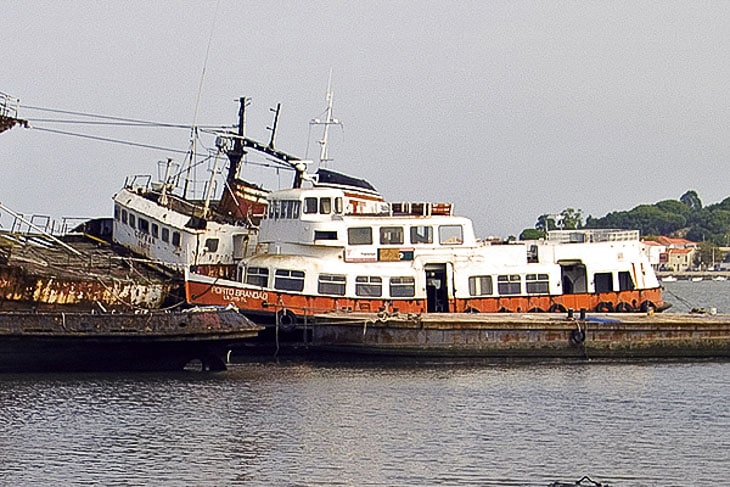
(604, 307)
(557, 308)
(286, 320)
(577, 336)
(645, 305)
(624, 307)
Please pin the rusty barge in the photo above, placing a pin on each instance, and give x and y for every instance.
(156, 340)
(522, 335)
(73, 301)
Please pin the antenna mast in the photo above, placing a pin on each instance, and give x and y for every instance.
(323, 150)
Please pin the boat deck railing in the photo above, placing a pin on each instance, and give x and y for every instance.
(592, 235)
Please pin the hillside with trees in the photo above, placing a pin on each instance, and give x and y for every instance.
(685, 218)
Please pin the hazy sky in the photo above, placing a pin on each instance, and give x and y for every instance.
(509, 109)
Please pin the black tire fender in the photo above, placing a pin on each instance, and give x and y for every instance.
(286, 320)
(557, 308)
(577, 336)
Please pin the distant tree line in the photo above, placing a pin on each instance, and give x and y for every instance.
(683, 218)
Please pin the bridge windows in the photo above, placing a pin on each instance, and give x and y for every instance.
(176, 239)
(165, 234)
(284, 209)
(310, 206)
(325, 206)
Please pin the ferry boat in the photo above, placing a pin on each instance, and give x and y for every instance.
(162, 222)
(334, 244)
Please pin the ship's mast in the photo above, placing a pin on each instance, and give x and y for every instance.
(323, 149)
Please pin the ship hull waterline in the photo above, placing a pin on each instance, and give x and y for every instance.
(521, 336)
(71, 342)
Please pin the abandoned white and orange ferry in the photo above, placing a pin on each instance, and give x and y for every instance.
(337, 245)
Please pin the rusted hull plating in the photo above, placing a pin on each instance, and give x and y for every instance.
(20, 290)
(524, 336)
(120, 341)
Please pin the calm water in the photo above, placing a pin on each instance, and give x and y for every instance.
(333, 423)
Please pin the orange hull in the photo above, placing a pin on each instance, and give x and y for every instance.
(270, 302)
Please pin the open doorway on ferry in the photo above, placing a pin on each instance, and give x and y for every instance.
(437, 289)
(573, 277)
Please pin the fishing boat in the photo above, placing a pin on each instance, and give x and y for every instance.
(164, 222)
(669, 279)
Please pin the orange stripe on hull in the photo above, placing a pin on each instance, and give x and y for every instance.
(272, 301)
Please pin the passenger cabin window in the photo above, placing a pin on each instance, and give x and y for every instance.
(338, 205)
(310, 205)
(132, 222)
(144, 225)
(331, 284)
(165, 234)
(603, 282)
(124, 216)
(325, 206)
(537, 284)
(369, 286)
(451, 235)
(421, 234)
(391, 235)
(509, 284)
(176, 239)
(625, 283)
(480, 286)
(289, 280)
(257, 276)
(211, 244)
(116, 212)
(402, 287)
(155, 230)
(360, 236)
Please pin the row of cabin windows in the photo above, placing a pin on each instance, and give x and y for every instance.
(395, 235)
(509, 284)
(332, 284)
(144, 226)
(290, 209)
